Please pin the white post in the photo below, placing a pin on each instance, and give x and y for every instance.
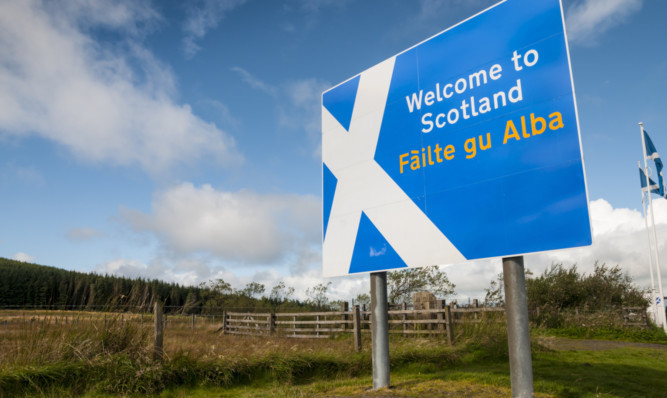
(655, 236)
(656, 314)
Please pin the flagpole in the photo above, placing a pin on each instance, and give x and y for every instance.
(656, 314)
(661, 309)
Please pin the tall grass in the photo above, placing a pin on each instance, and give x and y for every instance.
(48, 359)
(43, 358)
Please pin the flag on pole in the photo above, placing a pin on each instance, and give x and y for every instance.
(655, 188)
(652, 153)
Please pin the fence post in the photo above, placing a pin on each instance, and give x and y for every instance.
(345, 307)
(404, 319)
(440, 304)
(357, 328)
(192, 326)
(317, 326)
(450, 324)
(158, 349)
(224, 322)
(272, 323)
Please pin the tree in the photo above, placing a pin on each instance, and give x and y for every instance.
(362, 299)
(317, 295)
(220, 286)
(280, 293)
(495, 293)
(214, 295)
(611, 287)
(560, 287)
(252, 289)
(402, 284)
(190, 302)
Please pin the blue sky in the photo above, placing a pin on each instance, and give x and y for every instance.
(182, 140)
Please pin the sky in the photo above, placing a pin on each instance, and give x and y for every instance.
(182, 140)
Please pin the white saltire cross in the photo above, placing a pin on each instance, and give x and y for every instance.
(364, 186)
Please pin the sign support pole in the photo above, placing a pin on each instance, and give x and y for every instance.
(518, 335)
(380, 330)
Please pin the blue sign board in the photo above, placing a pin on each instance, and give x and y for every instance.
(465, 146)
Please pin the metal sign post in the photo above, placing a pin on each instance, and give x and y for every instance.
(518, 335)
(380, 330)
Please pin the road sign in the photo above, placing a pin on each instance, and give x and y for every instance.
(465, 146)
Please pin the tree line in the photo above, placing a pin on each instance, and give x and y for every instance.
(25, 285)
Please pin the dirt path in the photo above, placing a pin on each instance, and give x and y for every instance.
(563, 344)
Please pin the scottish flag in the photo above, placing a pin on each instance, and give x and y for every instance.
(652, 153)
(653, 187)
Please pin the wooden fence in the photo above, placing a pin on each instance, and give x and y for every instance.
(440, 321)
(433, 322)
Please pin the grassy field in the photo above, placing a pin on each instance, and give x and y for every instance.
(90, 357)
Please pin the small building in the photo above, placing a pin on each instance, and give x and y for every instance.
(423, 301)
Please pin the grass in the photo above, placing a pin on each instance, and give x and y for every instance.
(88, 359)
(651, 334)
(624, 372)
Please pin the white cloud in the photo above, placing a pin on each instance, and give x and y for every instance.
(307, 14)
(82, 234)
(109, 101)
(239, 226)
(201, 16)
(28, 175)
(254, 82)
(23, 257)
(303, 110)
(298, 104)
(132, 17)
(586, 20)
(157, 269)
(193, 271)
